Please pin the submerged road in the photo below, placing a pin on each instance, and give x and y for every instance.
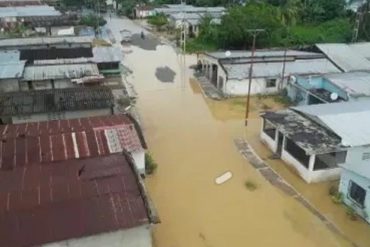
(193, 144)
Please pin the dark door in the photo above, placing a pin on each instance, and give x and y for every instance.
(280, 143)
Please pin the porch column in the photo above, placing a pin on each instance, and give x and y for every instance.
(311, 163)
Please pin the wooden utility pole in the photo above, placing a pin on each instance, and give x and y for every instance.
(254, 33)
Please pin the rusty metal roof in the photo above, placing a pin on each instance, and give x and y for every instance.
(49, 202)
(59, 140)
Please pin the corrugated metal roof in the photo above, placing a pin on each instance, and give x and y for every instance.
(26, 11)
(349, 120)
(12, 70)
(60, 71)
(8, 56)
(258, 53)
(347, 57)
(356, 84)
(45, 40)
(52, 202)
(107, 54)
(275, 69)
(55, 100)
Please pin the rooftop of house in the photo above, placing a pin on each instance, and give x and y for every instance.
(263, 53)
(308, 135)
(359, 168)
(50, 202)
(55, 100)
(19, 42)
(349, 120)
(356, 84)
(177, 8)
(9, 3)
(10, 65)
(274, 67)
(61, 140)
(59, 71)
(26, 11)
(348, 57)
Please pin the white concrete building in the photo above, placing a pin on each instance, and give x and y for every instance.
(316, 139)
(144, 11)
(271, 69)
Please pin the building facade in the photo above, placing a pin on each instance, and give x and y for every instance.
(317, 140)
(229, 71)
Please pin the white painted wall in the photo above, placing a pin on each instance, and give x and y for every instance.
(9, 85)
(139, 158)
(240, 87)
(292, 162)
(62, 115)
(354, 154)
(344, 185)
(134, 237)
(325, 175)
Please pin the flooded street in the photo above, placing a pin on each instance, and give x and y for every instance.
(191, 138)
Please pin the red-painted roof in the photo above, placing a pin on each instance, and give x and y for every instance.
(57, 140)
(49, 202)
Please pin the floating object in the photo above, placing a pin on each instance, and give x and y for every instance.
(224, 177)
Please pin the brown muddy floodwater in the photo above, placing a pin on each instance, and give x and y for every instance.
(192, 146)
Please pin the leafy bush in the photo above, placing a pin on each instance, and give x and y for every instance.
(158, 20)
(250, 185)
(150, 164)
(93, 21)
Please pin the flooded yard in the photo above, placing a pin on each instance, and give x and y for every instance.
(191, 139)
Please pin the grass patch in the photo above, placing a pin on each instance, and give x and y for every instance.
(196, 45)
(150, 164)
(250, 185)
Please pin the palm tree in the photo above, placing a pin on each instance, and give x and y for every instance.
(289, 11)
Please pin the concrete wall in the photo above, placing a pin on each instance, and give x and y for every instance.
(60, 115)
(9, 85)
(134, 237)
(344, 187)
(354, 155)
(258, 86)
(139, 158)
(47, 84)
(292, 162)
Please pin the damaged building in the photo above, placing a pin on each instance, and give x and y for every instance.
(229, 71)
(317, 139)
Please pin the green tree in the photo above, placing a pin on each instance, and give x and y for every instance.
(322, 10)
(158, 20)
(289, 12)
(235, 26)
(93, 21)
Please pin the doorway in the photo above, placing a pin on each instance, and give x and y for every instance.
(280, 143)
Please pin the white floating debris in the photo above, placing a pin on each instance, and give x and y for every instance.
(224, 177)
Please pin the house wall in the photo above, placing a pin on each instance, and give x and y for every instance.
(344, 185)
(298, 166)
(139, 158)
(60, 115)
(134, 237)
(258, 86)
(9, 85)
(354, 154)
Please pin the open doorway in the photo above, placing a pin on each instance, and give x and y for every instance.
(279, 143)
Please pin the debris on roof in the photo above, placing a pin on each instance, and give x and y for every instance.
(308, 135)
(60, 71)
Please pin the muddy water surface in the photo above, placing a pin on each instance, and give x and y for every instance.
(193, 145)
